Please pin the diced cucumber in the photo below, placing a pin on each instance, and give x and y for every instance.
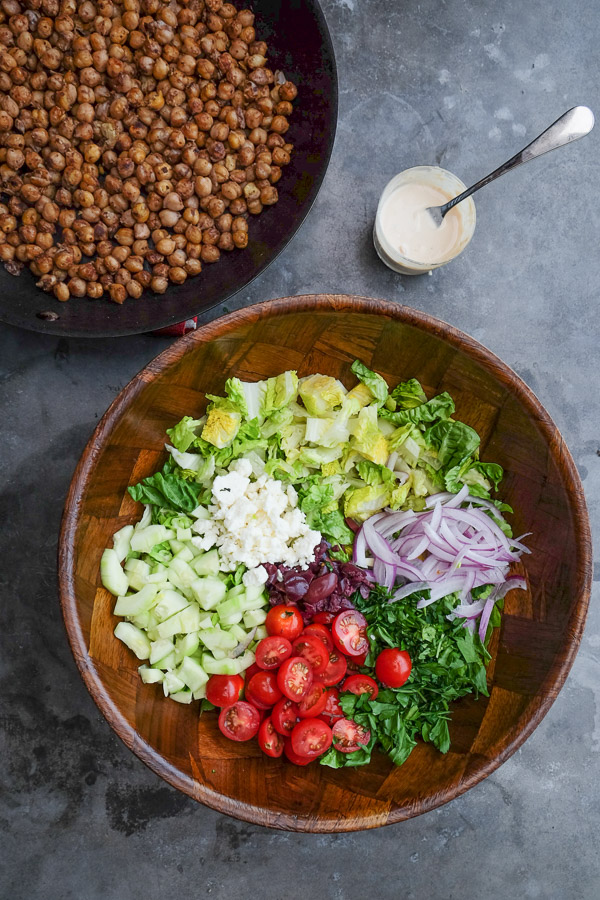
(184, 534)
(187, 645)
(246, 660)
(200, 512)
(185, 554)
(254, 617)
(180, 573)
(136, 603)
(192, 674)
(180, 522)
(176, 545)
(122, 541)
(236, 591)
(184, 696)
(183, 622)
(206, 563)
(137, 571)
(238, 632)
(254, 591)
(112, 575)
(172, 683)
(150, 676)
(254, 603)
(231, 618)
(200, 694)
(168, 603)
(209, 591)
(221, 666)
(261, 632)
(134, 638)
(159, 649)
(168, 663)
(219, 654)
(146, 538)
(217, 639)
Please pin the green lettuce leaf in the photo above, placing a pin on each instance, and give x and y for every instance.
(167, 489)
(454, 441)
(183, 435)
(371, 473)
(376, 384)
(440, 407)
(316, 496)
(408, 394)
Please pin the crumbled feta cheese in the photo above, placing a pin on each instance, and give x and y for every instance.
(254, 522)
(255, 577)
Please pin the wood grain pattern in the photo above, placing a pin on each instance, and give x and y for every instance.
(541, 631)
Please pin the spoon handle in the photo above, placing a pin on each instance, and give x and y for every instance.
(571, 126)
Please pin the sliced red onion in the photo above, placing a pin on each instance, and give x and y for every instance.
(485, 616)
(411, 588)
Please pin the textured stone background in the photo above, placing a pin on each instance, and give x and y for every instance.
(463, 84)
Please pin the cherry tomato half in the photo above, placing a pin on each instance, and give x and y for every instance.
(336, 669)
(313, 702)
(332, 705)
(295, 677)
(311, 738)
(361, 684)
(313, 650)
(348, 736)
(223, 690)
(271, 652)
(393, 667)
(269, 740)
(321, 632)
(284, 621)
(239, 722)
(349, 632)
(284, 716)
(263, 689)
(323, 618)
(294, 757)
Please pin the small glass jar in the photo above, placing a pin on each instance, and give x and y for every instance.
(451, 186)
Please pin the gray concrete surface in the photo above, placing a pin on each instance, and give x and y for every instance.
(464, 84)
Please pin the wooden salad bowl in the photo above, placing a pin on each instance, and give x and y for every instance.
(532, 651)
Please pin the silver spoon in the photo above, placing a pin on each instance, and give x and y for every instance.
(571, 126)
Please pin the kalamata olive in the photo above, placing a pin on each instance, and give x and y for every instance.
(296, 586)
(322, 587)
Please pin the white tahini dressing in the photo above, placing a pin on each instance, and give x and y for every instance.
(411, 230)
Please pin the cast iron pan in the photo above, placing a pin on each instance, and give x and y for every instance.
(299, 45)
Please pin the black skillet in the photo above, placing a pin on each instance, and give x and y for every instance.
(299, 45)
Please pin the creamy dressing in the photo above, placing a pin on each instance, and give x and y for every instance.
(411, 230)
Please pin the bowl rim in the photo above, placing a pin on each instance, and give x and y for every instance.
(220, 327)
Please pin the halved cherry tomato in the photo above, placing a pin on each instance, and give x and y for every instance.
(333, 710)
(361, 684)
(313, 703)
(321, 632)
(285, 621)
(295, 677)
(336, 669)
(294, 757)
(284, 716)
(263, 689)
(323, 618)
(393, 667)
(271, 652)
(349, 632)
(311, 738)
(269, 740)
(223, 690)
(348, 736)
(313, 650)
(239, 722)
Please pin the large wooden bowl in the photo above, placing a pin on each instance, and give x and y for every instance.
(541, 629)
